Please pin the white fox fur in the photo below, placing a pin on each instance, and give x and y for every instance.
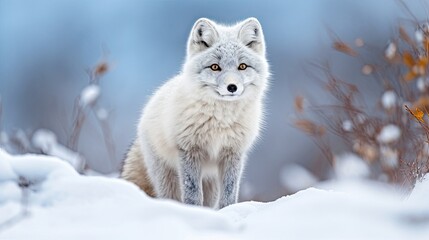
(195, 131)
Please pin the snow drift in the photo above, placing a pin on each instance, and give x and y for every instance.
(44, 198)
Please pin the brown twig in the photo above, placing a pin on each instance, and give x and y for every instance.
(78, 122)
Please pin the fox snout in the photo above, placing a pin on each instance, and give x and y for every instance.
(232, 88)
(230, 85)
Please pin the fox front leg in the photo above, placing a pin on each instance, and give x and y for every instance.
(230, 169)
(191, 179)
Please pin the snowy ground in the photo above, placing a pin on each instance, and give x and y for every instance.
(64, 205)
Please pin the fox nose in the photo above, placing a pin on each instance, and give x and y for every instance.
(232, 88)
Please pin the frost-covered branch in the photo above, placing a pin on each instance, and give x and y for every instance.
(86, 100)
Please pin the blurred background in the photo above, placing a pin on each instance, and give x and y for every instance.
(47, 47)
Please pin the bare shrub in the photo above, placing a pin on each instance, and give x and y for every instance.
(391, 136)
(44, 141)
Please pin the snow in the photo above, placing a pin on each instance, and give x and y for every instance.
(390, 51)
(419, 35)
(46, 141)
(35, 168)
(89, 95)
(9, 192)
(389, 133)
(6, 171)
(66, 205)
(350, 166)
(347, 125)
(388, 100)
(422, 84)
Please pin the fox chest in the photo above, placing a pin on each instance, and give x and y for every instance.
(212, 129)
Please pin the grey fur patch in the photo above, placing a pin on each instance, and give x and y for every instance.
(231, 168)
(191, 175)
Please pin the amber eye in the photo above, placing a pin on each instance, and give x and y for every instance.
(215, 67)
(242, 66)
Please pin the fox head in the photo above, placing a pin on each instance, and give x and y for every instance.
(227, 62)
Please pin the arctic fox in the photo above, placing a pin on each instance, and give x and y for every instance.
(196, 129)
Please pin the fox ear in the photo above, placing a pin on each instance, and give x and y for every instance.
(203, 36)
(250, 34)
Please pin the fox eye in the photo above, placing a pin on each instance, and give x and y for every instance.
(242, 66)
(215, 67)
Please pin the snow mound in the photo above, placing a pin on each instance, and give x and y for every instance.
(65, 205)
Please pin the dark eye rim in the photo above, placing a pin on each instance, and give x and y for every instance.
(241, 64)
(215, 65)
